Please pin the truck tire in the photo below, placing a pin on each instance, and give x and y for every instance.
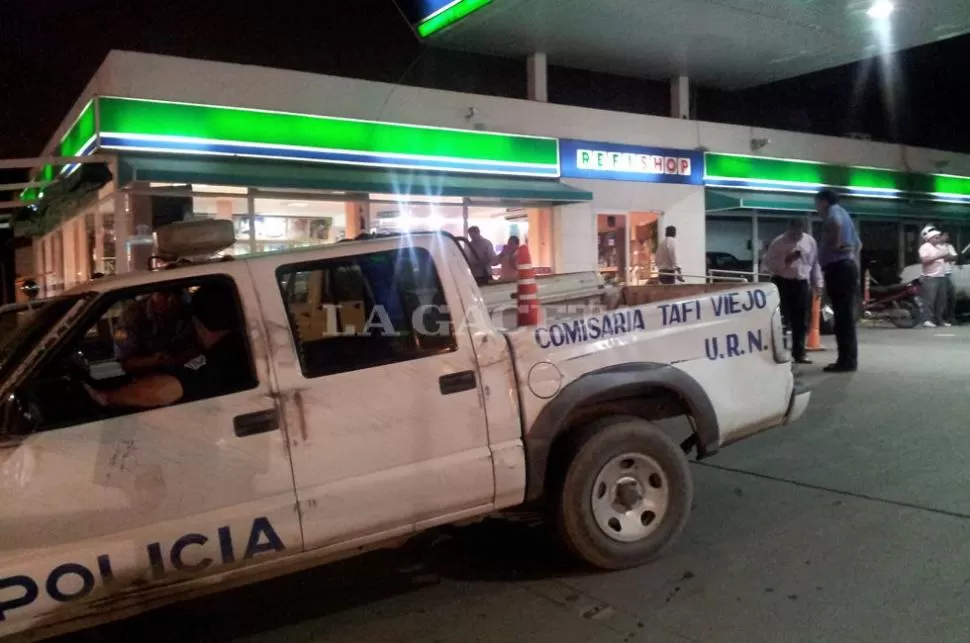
(626, 494)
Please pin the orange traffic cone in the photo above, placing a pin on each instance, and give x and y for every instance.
(814, 340)
(527, 292)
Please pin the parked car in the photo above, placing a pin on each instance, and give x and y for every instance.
(727, 261)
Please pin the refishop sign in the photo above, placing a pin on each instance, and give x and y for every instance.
(616, 162)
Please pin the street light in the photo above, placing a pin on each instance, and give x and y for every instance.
(880, 9)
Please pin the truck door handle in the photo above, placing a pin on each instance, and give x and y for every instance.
(457, 382)
(258, 422)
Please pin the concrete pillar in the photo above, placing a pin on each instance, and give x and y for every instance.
(140, 216)
(98, 240)
(224, 209)
(680, 97)
(38, 259)
(69, 244)
(251, 213)
(83, 248)
(538, 77)
(540, 237)
(122, 223)
(354, 216)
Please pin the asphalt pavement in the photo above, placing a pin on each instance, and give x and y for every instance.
(851, 525)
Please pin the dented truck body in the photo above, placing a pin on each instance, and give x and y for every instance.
(127, 512)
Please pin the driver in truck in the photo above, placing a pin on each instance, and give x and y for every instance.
(217, 368)
(156, 332)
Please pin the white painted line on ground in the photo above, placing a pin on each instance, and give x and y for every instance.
(945, 335)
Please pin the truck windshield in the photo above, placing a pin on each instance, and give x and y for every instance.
(23, 325)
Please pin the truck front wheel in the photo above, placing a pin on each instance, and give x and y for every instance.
(626, 495)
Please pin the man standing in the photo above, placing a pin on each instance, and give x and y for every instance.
(792, 260)
(933, 255)
(667, 264)
(482, 255)
(838, 256)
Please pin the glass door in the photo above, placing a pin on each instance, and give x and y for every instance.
(644, 230)
(611, 235)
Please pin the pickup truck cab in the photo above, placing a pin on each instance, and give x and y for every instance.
(404, 407)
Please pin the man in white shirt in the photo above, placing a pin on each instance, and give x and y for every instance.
(949, 287)
(933, 255)
(792, 261)
(481, 255)
(667, 265)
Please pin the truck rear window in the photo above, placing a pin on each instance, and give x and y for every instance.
(368, 310)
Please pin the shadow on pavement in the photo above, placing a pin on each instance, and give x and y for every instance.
(492, 551)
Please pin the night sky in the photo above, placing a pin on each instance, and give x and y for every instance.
(50, 49)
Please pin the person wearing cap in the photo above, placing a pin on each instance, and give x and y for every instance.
(222, 367)
(792, 262)
(933, 255)
(838, 254)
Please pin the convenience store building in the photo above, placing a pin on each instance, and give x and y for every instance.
(295, 159)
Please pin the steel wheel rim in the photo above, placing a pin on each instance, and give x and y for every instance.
(630, 497)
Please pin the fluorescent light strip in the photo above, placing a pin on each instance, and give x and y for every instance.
(769, 183)
(136, 148)
(77, 119)
(441, 10)
(762, 182)
(86, 149)
(874, 192)
(804, 162)
(332, 118)
(272, 146)
(454, 14)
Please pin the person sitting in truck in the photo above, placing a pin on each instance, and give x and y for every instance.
(155, 333)
(217, 370)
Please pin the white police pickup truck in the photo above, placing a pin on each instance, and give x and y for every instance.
(376, 399)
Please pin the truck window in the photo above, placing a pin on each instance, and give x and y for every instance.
(128, 335)
(351, 313)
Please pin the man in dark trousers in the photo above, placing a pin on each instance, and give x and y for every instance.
(792, 262)
(838, 256)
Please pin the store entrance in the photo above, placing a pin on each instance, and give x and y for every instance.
(627, 246)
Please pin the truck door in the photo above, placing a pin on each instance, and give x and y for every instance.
(386, 424)
(100, 499)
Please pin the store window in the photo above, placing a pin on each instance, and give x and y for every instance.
(390, 213)
(880, 250)
(729, 243)
(284, 224)
(106, 247)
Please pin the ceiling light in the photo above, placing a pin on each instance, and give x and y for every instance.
(880, 9)
(298, 204)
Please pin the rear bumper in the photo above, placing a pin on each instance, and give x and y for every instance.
(800, 395)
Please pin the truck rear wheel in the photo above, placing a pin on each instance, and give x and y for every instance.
(626, 495)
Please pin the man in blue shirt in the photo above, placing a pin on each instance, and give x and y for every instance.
(838, 255)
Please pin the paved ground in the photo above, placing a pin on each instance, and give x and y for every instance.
(853, 525)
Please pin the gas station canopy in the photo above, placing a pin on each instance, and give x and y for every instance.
(727, 44)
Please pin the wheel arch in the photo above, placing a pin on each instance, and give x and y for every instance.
(644, 389)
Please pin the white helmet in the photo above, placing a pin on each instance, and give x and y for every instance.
(929, 232)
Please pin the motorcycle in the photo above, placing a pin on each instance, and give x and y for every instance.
(901, 303)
